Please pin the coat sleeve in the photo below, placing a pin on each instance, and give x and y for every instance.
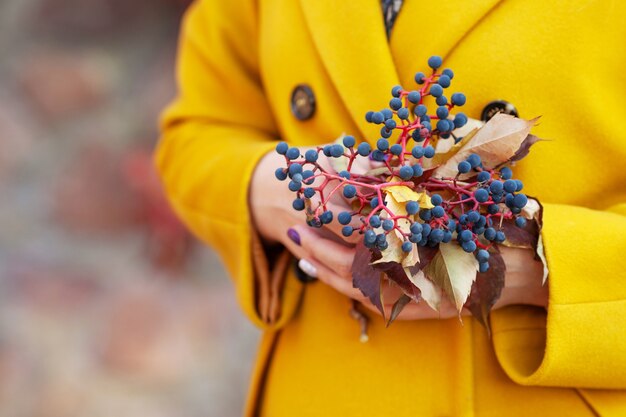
(214, 134)
(580, 341)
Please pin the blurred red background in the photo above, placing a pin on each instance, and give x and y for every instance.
(107, 305)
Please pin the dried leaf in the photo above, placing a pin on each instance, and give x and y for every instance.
(454, 270)
(524, 148)
(486, 290)
(397, 308)
(541, 255)
(428, 290)
(496, 142)
(525, 237)
(366, 278)
(446, 149)
(394, 252)
(396, 274)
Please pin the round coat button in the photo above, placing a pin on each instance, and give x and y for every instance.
(302, 102)
(498, 106)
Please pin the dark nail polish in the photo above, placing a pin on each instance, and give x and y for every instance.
(294, 236)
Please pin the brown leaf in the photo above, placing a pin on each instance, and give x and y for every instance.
(527, 236)
(496, 142)
(524, 148)
(398, 306)
(395, 273)
(454, 270)
(428, 290)
(366, 278)
(486, 290)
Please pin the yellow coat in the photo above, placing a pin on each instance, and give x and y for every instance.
(565, 60)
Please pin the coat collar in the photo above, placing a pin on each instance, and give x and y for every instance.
(351, 41)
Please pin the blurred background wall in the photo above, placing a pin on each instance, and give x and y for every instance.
(107, 306)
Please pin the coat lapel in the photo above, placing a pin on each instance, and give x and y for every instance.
(350, 38)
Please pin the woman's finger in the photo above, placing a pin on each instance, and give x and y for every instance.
(335, 256)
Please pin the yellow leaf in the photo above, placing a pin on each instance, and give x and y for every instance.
(394, 252)
(429, 291)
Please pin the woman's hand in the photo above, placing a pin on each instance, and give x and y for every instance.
(332, 263)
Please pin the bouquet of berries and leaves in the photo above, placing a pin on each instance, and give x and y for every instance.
(435, 207)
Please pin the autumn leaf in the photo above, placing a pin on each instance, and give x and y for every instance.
(428, 290)
(366, 278)
(486, 290)
(525, 237)
(496, 142)
(399, 209)
(394, 252)
(397, 308)
(396, 274)
(524, 148)
(403, 194)
(541, 255)
(453, 270)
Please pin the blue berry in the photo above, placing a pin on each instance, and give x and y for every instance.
(464, 167)
(414, 97)
(490, 233)
(435, 62)
(374, 202)
(412, 207)
(520, 185)
(347, 231)
(520, 222)
(426, 215)
(403, 113)
(436, 199)
(421, 110)
(387, 114)
(474, 160)
(293, 153)
(508, 200)
(496, 186)
(396, 149)
(436, 235)
(465, 236)
(381, 239)
(307, 177)
(463, 219)
(349, 141)
(481, 195)
(520, 201)
(444, 81)
(443, 125)
(419, 77)
(297, 177)
(429, 151)
(385, 133)
(406, 172)
(436, 90)
(447, 236)
(469, 246)
(441, 100)
(298, 204)
(448, 72)
(483, 176)
(336, 151)
(395, 103)
(375, 221)
(482, 255)
(295, 169)
(417, 170)
(416, 228)
(282, 148)
(388, 225)
(426, 230)
(294, 186)
(417, 152)
(460, 120)
(506, 173)
(368, 116)
(510, 186)
(370, 237)
(438, 211)
(281, 174)
(309, 192)
(378, 156)
(382, 144)
(483, 267)
(349, 191)
(311, 155)
(326, 217)
(415, 237)
(364, 149)
(327, 149)
(442, 112)
(473, 216)
(378, 118)
(500, 237)
(493, 208)
(407, 247)
(344, 174)
(390, 124)
(395, 91)
(344, 217)
(458, 99)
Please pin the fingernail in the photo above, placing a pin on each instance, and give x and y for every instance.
(308, 268)
(294, 236)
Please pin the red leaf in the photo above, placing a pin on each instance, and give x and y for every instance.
(524, 148)
(395, 272)
(486, 290)
(366, 278)
(398, 306)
